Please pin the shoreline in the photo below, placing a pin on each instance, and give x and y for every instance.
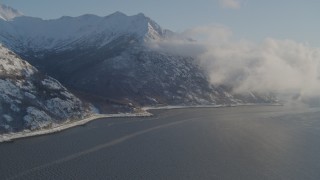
(206, 106)
(67, 125)
(10, 137)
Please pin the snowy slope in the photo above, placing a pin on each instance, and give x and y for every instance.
(107, 57)
(25, 34)
(7, 13)
(31, 100)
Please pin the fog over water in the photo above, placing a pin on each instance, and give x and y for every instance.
(285, 67)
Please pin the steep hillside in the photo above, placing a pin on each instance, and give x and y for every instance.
(108, 57)
(31, 100)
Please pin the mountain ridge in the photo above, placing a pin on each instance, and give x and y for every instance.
(108, 56)
(54, 34)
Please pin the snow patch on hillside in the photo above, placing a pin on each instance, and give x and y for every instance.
(31, 100)
(36, 118)
(11, 64)
(7, 13)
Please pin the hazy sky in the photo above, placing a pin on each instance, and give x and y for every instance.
(249, 19)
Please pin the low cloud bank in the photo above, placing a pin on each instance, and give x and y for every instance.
(288, 68)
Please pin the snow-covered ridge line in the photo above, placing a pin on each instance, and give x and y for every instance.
(25, 34)
(61, 127)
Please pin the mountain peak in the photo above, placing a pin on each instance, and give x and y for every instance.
(7, 13)
(117, 13)
(86, 29)
(141, 14)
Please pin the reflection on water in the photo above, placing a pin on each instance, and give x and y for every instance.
(223, 143)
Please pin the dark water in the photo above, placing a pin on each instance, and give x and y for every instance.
(207, 143)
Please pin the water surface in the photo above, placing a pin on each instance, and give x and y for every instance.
(268, 142)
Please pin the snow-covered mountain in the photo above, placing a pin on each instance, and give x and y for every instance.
(31, 100)
(7, 13)
(108, 57)
(25, 34)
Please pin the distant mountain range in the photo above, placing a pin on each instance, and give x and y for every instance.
(106, 60)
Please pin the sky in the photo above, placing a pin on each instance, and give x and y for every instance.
(255, 20)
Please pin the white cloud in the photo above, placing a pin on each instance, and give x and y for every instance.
(209, 34)
(231, 4)
(196, 44)
(284, 67)
(274, 65)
